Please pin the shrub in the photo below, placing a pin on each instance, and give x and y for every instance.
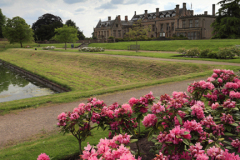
(92, 49)
(111, 37)
(48, 48)
(212, 54)
(204, 53)
(193, 52)
(235, 50)
(182, 51)
(225, 53)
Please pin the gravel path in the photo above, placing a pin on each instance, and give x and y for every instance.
(20, 126)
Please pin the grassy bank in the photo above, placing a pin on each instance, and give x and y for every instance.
(88, 75)
(156, 55)
(172, 45)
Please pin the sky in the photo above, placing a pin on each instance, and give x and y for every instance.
(87, 13)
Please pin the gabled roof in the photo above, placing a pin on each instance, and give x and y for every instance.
(111, 23)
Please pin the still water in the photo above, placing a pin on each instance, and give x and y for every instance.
(14, 86)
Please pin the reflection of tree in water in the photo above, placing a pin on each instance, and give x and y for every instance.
(8, 77)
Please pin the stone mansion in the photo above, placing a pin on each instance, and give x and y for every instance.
(178, 21)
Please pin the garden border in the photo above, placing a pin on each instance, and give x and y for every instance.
(44, 81)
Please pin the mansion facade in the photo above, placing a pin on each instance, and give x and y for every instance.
(178, 21)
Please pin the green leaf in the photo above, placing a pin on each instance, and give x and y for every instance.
(234, 124)
(228, 134)
(133, 140)
(76, 127)
(179, 119)
(186, 141)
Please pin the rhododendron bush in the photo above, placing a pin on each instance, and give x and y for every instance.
(204, 124)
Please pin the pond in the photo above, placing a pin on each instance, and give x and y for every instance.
(14, 86)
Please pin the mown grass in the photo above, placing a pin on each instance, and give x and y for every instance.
(171, 45)
(31, 45)
(88, 75)
(156, 55)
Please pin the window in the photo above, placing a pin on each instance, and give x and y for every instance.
(162, 34)
(196, 23)
(168, 15)
(174, 14)
(191, 23)
(153, 27)
(116, 25)
(183, 24)
(172, 26)
(167, 26)
(119, 33)
(114, 33)
(162, 16)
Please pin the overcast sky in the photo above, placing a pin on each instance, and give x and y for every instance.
(86, 13)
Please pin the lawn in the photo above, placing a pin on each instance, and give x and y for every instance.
(156, 55)
(171, 45)
(88, 75)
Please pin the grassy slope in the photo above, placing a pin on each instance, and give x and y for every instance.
(90, 75)
(173, 45)
(157, 55)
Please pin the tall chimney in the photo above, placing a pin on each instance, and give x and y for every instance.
(177, 10)
(119, 17)
(205, 12)
(146, 12)
(157, 12)
(184, 5)
(135, 13)
(126, 18)
(109, 18)
(213, 9)
(191, 12)
(184, 9)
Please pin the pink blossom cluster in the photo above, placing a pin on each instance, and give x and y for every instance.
(110, 149)
(234, 95)
(197, 152)
(210, 124)
(140, 105)
(96, 103)
(149, 120)
(223, 74)
(229, 104)
(43, 156)
(215, 106)
(193, 126)
(227, 119)
(232, 85)
(176, 135)
(200, 85)
(157, 108)
(236, 144)
(197, 111)
(62, 119)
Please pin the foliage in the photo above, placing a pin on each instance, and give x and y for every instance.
(80, 34)
(193, 52)
(92, 49)
(235, 50)
(66, 34)
(204, 53)
(227, 22)
(225, 53)
(48, 48)
(212, 54)
(45, 26)
(111, 37)
(2, 22)
(182, 51)
(17, 30)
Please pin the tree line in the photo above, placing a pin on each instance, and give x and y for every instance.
(47, 27)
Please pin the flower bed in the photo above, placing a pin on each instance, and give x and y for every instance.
(48, 48)
(181, 126)
(92, 49)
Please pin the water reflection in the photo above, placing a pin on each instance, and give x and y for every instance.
(13, 86)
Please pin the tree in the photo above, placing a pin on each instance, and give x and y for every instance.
(227, 23)
(80, 33)
(2, 22)
(138, 31)
(45, 25)
(66, 34)
(17, 30)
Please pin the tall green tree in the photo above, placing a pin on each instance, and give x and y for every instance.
(80, 33)
(66, 34)
(227, 23)
(138, 32)
(2, 22)
(17, 30)
(45, 25)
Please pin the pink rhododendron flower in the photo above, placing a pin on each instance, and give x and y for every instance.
(218, 130)
(149, 120)
(62, 119)
(193, 126)
(229, 104)
(220, 80)
(228, 119)
(208, 121)
(235, 95)
(197, 111)
(215, 105)
(74, 116)
(196, 150)
(157, 108)
(133, 101)
(43, 156)
(210, 79)
(236, 144)
(214, 152)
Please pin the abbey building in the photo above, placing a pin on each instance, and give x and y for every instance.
(178, 21)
